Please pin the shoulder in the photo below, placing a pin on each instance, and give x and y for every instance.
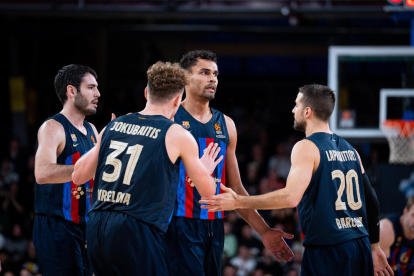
(93, 127)
(51, 126)
(305, 147)
(176, 131)
(387, 229)
(231, 127)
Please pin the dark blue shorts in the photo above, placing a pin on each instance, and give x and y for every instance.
(118, 244)
(352, 258)
(194, 246)
(60, 247)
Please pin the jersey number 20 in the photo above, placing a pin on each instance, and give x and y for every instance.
(119, 147)
(339, 205)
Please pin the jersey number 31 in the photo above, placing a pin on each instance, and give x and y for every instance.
(119, 147)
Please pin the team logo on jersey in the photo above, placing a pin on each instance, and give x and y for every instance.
(93, 139)
(74, 138)
(77, 192)
(217, 127)
(186, 124)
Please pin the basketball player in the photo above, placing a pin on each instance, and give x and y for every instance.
(397, 240)
(191, 224)
(137, 176)
(61, 206)
(333, 194)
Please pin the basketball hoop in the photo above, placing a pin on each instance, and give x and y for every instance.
(400, 136)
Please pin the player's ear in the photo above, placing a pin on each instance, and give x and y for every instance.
(177, 99)
(71, 91)
(146, 93)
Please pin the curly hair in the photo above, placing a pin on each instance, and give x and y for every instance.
(166, 80)
(190, 59)
(71, 74)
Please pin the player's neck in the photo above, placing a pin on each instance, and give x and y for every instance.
(314, 127)
(163, 110)
(74, 116)
(200, 110)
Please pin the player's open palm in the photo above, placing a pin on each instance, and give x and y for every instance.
(274, 242)
(209, 157)
(381, 266)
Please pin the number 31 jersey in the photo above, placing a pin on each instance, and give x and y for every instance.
(332, 209)
(134, 175)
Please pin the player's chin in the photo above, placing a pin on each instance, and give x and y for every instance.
(91, 111)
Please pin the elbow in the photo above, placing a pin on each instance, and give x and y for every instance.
(207, 192)
(40, 178)
(77, 179)
(292, 202)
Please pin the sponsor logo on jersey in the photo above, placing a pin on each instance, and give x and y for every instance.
(186, 124)
(217, 127)
(77, 192)
(74, 139)
(93, 139)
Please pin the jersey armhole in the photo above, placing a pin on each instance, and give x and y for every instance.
(164, 146)
(320, 167)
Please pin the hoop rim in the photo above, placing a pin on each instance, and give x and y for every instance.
(405, 128)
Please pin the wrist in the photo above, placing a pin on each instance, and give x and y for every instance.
(375, 246)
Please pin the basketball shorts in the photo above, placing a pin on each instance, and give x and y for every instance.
(194, 246)
(60, 247)
(119, 244)
(352, 258)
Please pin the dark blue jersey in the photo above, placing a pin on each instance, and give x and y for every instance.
(401, 251)
(135, 176)
(214, 131)
(68, 201)
(332, 209)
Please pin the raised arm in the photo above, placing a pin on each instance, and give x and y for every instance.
(51, 143)
(180, 143)
(85, 167)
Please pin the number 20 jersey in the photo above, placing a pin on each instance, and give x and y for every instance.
(135, 175)
(332, 209)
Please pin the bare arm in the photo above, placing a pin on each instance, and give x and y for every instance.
(51, 139)
(305, 160)
(85, 167)
(233, 181)
(387, 236)
(180, 143)
(304, 155)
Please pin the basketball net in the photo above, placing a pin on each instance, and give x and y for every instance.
(400, 136)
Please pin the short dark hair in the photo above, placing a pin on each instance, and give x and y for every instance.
(165, 80)
(190, 59)
(71, 74)
(321, 99)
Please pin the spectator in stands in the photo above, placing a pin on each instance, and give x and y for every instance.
(244, 261)
(280, 162)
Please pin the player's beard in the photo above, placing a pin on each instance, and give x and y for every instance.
(207, 95)
(81, 104)
(299, 125)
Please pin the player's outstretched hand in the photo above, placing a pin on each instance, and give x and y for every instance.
(209, 157)
(226, 201)
(381, 266)
(274, 242)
